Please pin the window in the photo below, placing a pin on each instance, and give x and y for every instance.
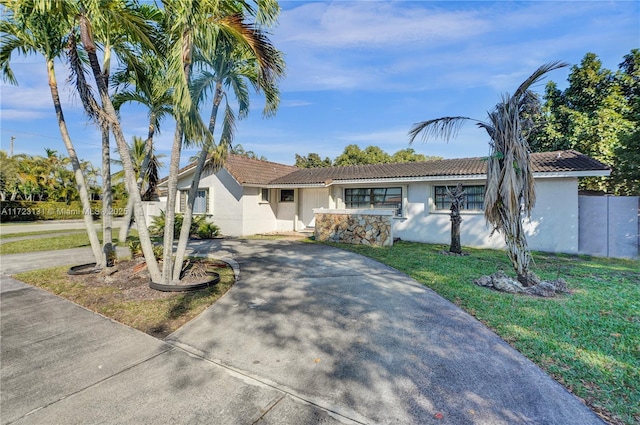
(286, 195)
(265, 195)
(380, 197)
(201, 204)
(473, 198)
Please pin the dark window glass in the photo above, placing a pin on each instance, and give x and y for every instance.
(473, 198)
(377, 197)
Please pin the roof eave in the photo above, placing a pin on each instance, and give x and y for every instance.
(573, 174)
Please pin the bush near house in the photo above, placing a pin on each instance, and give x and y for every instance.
(199, 227)
(50, 210)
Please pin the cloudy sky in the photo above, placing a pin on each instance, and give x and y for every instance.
(362, 72)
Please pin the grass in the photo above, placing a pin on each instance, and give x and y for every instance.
(158, 317)
(40, 232)
(589, 340)
(77, 239)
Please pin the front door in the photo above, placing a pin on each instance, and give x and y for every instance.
(312, 198)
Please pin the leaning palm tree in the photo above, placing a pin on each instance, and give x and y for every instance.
(192, 27)
(27, 28)
(509, 192)
(227, 70)
(141, 81)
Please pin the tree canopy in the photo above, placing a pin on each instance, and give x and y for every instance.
(353, 155)
(597, 114)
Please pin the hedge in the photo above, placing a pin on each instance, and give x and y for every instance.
(45, 210)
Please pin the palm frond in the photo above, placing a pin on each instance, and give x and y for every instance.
(445, 128)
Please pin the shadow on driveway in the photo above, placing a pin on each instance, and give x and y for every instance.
(365, 341)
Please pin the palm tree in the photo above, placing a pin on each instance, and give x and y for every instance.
(193, 27)
(228, 68)
(32, 28)
(509, 192)
(146, 77)
(149, 176)
(125, 15)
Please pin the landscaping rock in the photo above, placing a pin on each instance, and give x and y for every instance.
(501, 282)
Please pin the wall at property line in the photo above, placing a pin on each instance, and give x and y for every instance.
(609, 226)
(354, 227)
(553, 226)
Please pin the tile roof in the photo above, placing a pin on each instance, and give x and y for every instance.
(559, 161)
(255, 171)
(258, 172)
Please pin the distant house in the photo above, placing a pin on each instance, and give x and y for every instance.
(250, 196)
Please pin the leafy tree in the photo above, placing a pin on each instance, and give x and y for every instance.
(593, 115)
(410, 155)
(353, 155)
(312, 160)
(509, 192)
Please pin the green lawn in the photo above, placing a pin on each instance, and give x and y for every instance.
(77, 239)
(39, 232)
(589, 340)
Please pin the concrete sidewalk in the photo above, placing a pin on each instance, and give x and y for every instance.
(309, 334)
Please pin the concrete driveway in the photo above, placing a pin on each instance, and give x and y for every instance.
(309, 334)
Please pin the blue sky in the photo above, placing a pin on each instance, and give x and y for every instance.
(362, 72)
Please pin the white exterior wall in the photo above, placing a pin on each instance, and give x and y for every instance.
(258, 216)
(227, 202)
(553, 226)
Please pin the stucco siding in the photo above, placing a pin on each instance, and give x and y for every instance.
(553, 226)
(258, 216)
(227, 202)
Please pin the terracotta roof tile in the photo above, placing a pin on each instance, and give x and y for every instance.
(255, 171)
(258, 172)
(542, 162)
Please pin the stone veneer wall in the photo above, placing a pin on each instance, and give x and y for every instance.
(355, 227)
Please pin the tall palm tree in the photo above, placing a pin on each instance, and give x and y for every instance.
(122, 14)
(149, 176)
(229, 67)
(29, 27)
(509, 192)
(193, 27)
(142, 81)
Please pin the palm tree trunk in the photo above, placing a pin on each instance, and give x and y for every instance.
(193, 190)
(107, 199)
(127, 165)
(148, 149)
(75, 163)
(170, 213)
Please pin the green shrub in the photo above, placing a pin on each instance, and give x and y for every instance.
(157, 226)
(208, 231)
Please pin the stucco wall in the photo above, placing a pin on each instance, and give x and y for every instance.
(553, 226)
(258, 216)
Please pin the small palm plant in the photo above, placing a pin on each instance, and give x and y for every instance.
(509, 192)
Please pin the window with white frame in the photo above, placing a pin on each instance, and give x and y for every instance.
(374, 197)
(473, 198)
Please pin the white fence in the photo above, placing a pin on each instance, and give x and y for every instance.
(609, 226)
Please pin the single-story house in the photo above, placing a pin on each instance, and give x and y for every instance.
(250, 196)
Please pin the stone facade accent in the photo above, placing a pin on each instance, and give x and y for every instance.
(366, 227)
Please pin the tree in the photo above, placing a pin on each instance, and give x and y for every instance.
(353, 155)
(593, 115)
(227, 70)
(32, 27)
(141, 81)
(509, 192)
(410, 155)
(312, 160)
(191, 28)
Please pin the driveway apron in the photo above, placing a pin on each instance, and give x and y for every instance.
(367, 343)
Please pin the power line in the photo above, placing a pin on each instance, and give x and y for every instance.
(46, 136)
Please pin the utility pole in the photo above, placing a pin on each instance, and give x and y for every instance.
(11, 146)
